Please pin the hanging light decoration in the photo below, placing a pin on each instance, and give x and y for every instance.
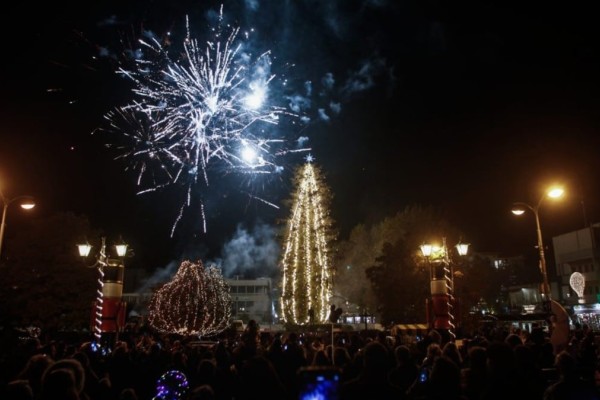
(577, 282)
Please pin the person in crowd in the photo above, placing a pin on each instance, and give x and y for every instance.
(203, 392)
(451, 351)
(513, 340)
(372, 381)
(59, 383)
(294, 357)
(474, 374)
(433, 352)
(128, 394)
(356, 343)
(92, 385)
(342, 360)
(120, 368)
(529, 376)
(18, 390)
(33, 371)
(151, 363)
(320, 358)
(248, 347)
(406, 369)
(257, 379)
(78, 372)
(502, 379)
(444, 382)
(570, 385)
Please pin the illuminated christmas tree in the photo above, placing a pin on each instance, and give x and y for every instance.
(306, 261)
(195, 302)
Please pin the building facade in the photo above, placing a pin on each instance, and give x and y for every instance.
(577, 251)
(252, 299)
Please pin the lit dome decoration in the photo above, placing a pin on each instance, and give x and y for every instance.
(195, 302)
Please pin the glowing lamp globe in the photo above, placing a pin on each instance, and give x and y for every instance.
(556, 192)
(84, 249)
(426, 249)
(27, 203)
(462, 248)
(121, 249)
(518, 211)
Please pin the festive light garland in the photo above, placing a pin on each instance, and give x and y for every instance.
(307, 271)
(195, 302)
(449, 279)
(101, 262)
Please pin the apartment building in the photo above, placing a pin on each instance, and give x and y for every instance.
(577, 251)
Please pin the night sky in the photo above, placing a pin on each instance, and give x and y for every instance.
(467, 107)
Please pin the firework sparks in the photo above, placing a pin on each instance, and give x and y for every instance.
(205, 110)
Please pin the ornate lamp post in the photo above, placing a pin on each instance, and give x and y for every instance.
(441, 276)
(518, 209)
(26, 203)
(109, 310)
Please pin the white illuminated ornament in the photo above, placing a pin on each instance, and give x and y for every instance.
(577, 282)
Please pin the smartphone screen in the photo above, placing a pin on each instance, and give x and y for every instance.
(320, 383)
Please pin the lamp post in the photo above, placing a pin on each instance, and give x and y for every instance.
(518, 209)
(442, 287)
(26, 202)
(109, 310)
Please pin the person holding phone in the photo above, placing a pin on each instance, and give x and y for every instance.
(294, 357)
(420, 385)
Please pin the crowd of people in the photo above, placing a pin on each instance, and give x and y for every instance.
(499, 364)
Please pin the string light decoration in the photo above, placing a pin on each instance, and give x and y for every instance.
(195, 302)
(99, 299)
(577, 282)
(101, 263)
(307, 270)
(171, 385)
(449, 280)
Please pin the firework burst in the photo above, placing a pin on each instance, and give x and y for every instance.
(205, 109)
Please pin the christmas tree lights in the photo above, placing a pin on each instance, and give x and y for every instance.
(306, 261)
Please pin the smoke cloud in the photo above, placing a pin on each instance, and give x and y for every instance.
(250, 253)
(159, 277)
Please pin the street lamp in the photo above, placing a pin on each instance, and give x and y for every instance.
(109, 314)
(26, 203)
(442, 287)
(518, 209)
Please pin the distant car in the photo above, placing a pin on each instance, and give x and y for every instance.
(238, 325)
